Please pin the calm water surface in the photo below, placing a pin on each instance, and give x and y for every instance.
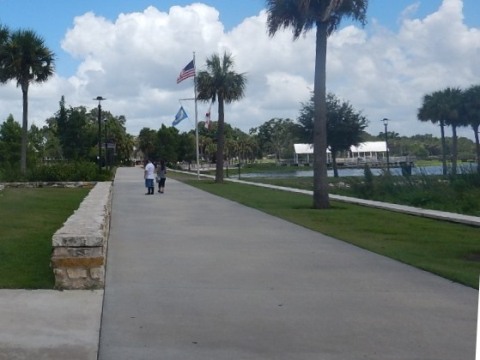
(427, 170)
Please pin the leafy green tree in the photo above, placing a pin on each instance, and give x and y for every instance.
(471, 98)
(418, 150)
(60, 124)
(72, 134)
(220, 83)
(205, 146)
(36, 141)
(80, 135)
(345, 125)
(76, 131)
(230, 149)
(430, 143)
(325, 17)
(465, 148)
(246, 147)
(26, 59)
(167, 144)
(277, 136)
(118, 136)
(146, 142)
(52, 146)
(10, 143)
(186, 148)
(306, 120)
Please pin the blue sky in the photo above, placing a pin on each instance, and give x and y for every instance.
(378, 59)
(51, 18)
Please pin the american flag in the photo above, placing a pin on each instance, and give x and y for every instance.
(187, 71)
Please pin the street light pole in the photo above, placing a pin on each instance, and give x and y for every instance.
(99, 98)
(385, 123)
(106, 146)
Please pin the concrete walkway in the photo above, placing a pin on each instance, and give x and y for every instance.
(49, 324)
(194, 276)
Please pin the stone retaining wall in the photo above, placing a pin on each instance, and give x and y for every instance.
(80, 246)
(40, 184)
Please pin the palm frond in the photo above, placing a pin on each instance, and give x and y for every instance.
(303, 15)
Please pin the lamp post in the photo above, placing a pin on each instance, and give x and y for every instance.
(99, 98)
(106, 145)
(385, 123)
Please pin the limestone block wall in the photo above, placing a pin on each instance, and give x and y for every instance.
(52, 184)
(80, 245)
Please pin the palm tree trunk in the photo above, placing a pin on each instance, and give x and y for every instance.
(334, 164)
(454, 150)
(444, 148)
(477, 147)
(220, 142)
(320, 185)
(23, 153)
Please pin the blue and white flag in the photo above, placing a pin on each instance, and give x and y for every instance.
(181, 114)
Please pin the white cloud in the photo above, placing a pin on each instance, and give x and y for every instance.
(134, 61)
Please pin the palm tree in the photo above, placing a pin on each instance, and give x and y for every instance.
(220, 82)
(452, 100)
(4, 34)
(472, 115)
(325, 15)
(430, 111)
(26, 59)
(444, 107)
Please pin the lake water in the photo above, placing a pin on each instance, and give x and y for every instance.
(427, 170)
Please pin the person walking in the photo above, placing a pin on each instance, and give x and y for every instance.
(161, 176)
(149, 176)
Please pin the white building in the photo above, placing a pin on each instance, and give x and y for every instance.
(367, 151)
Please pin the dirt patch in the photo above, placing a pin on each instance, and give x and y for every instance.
(473, 257)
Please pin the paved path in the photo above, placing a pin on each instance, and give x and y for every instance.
(192, 276)
(49, 324)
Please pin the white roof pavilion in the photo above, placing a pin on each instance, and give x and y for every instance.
(366, 147)
(369, 147)
(303, 148)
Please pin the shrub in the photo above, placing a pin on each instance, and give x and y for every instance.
(65, 171)
(9, 173)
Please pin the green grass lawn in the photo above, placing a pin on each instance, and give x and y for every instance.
(28, 219)
(447, 249)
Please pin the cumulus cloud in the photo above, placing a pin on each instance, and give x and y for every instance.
(134, 60)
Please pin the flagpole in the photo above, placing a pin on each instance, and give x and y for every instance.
(196, 116)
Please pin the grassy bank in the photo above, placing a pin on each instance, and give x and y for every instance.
(457, 194)
(28, 219)
(447, 249)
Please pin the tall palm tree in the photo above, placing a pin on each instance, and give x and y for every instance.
(430, 111)
(452, 100)
(4, 34)
(26, 59)
(220, 83)
(471, 108)
(444, 107)
(325, 16)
